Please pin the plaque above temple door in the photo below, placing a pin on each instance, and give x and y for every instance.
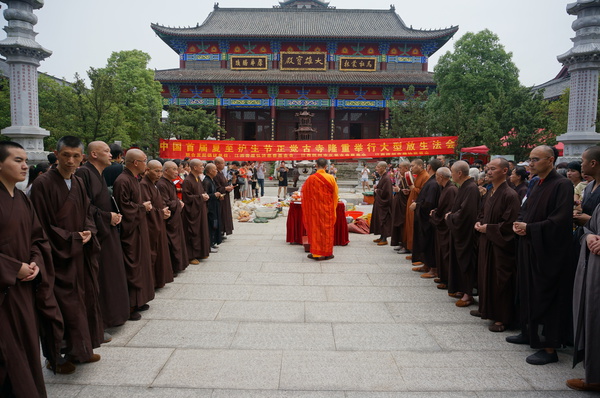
(358, 64)
(303, 60)
(248, 62)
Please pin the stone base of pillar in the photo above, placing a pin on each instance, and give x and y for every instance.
(31, 138)
(576, 143)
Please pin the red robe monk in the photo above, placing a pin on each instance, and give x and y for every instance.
(416, 167)
(319, 202)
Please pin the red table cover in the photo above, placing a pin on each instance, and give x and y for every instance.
(295, 226)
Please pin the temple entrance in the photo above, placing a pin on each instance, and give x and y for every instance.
(355, 131)
(250, 131)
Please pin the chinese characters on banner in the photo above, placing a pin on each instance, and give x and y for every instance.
(256, 62)
(300, 150)
(303, 61)
(358, 64)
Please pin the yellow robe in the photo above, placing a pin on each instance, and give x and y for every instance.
(319, 202)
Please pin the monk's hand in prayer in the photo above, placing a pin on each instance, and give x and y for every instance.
(229, 188)
(520, 228)
(412, 206)
(205, 196)
(432, 212)
(115, 219)
(396, 189)
(36, 270)
(482, 228)
(406, 191)
(447, 214)
(593, 243)
(148, 205)
(86, 236)
(25, 271)
(166, 213)
(182, 204)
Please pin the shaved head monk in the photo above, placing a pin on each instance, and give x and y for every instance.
(319, 202)
(112, 282)
(134, 233)
(157, 230)
(26, 282)
(224, 187)
(381, 219)
(61, 202)
(195, 217)
(175, 234)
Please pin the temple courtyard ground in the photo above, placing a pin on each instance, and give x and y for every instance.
(259, 319)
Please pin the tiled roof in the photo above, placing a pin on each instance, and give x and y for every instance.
(273, 76)
(306, 23)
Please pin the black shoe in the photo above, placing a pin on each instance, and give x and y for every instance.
(542, 358)
(144, 307)
(518, 339)
(135, 316)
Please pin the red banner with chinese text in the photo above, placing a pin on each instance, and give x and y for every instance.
(308, 150)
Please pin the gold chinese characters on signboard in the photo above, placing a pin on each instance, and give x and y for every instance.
(248, 62)
(303, 61)
(358, 64)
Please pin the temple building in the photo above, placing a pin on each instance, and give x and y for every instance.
(257, 67)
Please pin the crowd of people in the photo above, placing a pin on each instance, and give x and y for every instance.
(86, 245)
(524, 238)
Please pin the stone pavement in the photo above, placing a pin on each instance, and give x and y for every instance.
(259, 319)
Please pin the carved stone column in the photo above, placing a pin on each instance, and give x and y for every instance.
(23, 55)
(583, 61)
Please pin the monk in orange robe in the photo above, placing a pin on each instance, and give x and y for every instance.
(319, 202)
(416, 167)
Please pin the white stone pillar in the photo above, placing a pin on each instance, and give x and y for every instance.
(583, 61)
(23, 55)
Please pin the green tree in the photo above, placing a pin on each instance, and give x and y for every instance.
(409, 118)
(190, 124)
(478, 67)
(4, 105)
(515, 122)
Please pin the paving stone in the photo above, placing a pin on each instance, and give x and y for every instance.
(291, 267)
(232, 369)
(270, 278)
(288, 293)
(337, 280)
(394, 279)
(432, 313)
(467, 337)
(183, 309)
(460, 378)
(233, 264)
(208, 278)
(143, 392)
(185, 334)
(119, 366)
(277, 311)
(339, 312)
(411, 394)
(327, 370)
(449, 359)
(383, 337)
(284, 336)
(364, 294)
(122, 334)
(277, 394)
(214, 292)
(63, 390)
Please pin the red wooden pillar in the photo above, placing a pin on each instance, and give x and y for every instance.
(219, 119)
(331, 122)
(273, 120)
(387, 117)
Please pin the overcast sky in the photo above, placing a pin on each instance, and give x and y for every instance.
(83, 33)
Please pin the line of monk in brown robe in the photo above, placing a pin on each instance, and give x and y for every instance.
(510, 245)
(76, 261)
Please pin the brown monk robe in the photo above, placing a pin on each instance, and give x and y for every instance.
(423, 235)
(462, 273)
(134, 232)
(26, 285)
(442, 233)
(64, 213)
(160, 257)
(545, 229)
(224, 187)
(168, 191)
(497, 249)
(112, 282)
(381, 219)
(416, 167)
(195, 218)
(399, 206)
